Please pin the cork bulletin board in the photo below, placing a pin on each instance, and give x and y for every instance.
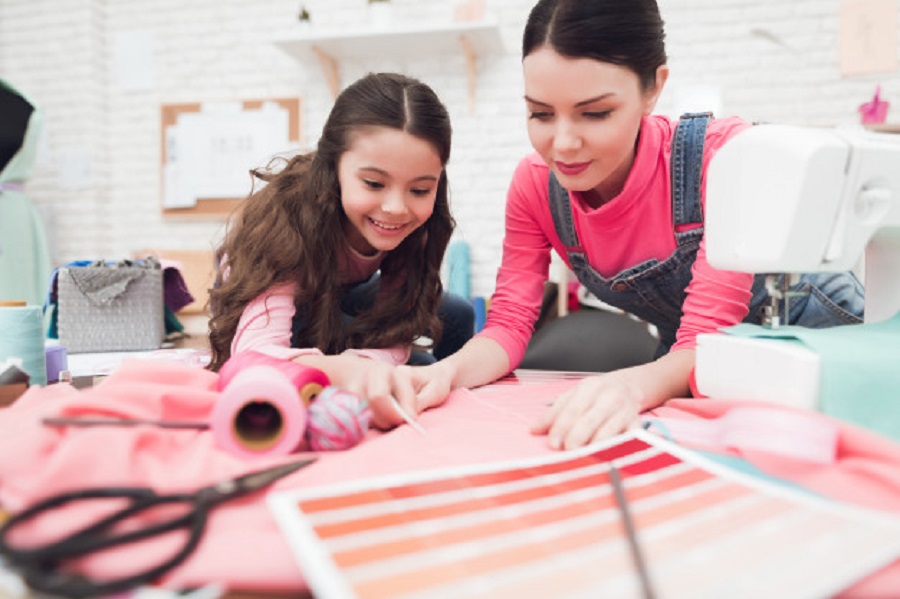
(208, 149)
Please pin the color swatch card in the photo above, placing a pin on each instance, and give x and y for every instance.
(552, 527)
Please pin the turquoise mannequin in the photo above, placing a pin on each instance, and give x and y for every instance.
(25, 264)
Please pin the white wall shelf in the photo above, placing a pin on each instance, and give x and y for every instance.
(473, 39)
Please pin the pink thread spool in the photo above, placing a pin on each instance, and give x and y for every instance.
(308, 382)
(337, 420)
(258, 415)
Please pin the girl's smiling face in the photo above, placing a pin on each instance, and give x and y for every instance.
(584, 116)
(389, 182)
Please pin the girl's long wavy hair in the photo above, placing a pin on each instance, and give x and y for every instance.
(293, 228)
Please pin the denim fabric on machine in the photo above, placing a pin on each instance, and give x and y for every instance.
(824, 299)
(655, 291)
(457, 315)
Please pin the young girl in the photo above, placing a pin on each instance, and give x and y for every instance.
(617, 192)
(335, 263)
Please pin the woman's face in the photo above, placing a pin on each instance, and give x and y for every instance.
(584, 116)
(389, 182)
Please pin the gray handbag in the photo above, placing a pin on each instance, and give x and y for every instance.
(111, 307)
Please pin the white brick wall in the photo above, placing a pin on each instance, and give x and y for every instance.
(772, 60)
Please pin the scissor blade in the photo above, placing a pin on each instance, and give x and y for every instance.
(262, 478)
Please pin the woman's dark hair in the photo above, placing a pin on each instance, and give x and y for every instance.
(291, 231)
(629, 33)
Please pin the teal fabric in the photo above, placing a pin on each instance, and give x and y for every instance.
(25, 255)
(860, 369)
(458, 278)
(173, 325)
(729, 461)
(745, 467)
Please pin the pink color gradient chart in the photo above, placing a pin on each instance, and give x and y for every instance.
(550, 527)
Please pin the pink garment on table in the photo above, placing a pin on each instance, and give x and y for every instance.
(632, 228)
(243, 548)
(265, 325)
(865, 470)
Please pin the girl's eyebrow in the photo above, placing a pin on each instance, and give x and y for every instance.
(578, 104)
(373, 169)
(386, 174)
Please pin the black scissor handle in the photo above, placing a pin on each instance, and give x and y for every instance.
(16, 552)
(139, 498)
(39, 564)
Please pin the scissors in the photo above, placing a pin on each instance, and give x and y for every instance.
(39, 565)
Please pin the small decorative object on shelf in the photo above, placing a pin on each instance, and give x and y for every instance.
(304, 18)
(380, 13)
(874, 112)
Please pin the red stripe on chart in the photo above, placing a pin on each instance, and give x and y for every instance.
(323, 504)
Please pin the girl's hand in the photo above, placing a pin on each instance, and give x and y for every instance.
(599, 407)
(386, 387)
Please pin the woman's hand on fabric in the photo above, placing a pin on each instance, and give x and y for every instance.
(597, 408)
(605, 405)
(433, 383)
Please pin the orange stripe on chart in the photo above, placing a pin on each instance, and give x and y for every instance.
(483, 564)
(330, 530)
(564, 579)
(311, 506)
(487, 563)
(544, 517)
(466, 506)
(674, 510)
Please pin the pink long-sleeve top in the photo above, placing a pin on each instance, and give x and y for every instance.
(633, 227)
(266, 323)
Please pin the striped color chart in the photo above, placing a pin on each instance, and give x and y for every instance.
(551, 528)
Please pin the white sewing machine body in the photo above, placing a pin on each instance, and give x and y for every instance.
(787, 199)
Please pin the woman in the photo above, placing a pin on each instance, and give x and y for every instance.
(617, 192)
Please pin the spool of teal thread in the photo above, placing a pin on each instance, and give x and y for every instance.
(22, 337)
(458, 279)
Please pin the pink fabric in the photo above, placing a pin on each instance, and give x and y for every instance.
(243, 547)
(866, 468)
(634, 227)
(865, 472)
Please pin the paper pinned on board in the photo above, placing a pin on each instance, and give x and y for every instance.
(868, 36)
(210, 153)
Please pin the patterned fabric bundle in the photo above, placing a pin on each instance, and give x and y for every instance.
(336, 420)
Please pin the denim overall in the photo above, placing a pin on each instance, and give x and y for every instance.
(655, 291)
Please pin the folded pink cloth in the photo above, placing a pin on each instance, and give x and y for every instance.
(864, 469)
(242, 548)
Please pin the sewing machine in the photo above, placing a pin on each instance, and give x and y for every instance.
(788, 199)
